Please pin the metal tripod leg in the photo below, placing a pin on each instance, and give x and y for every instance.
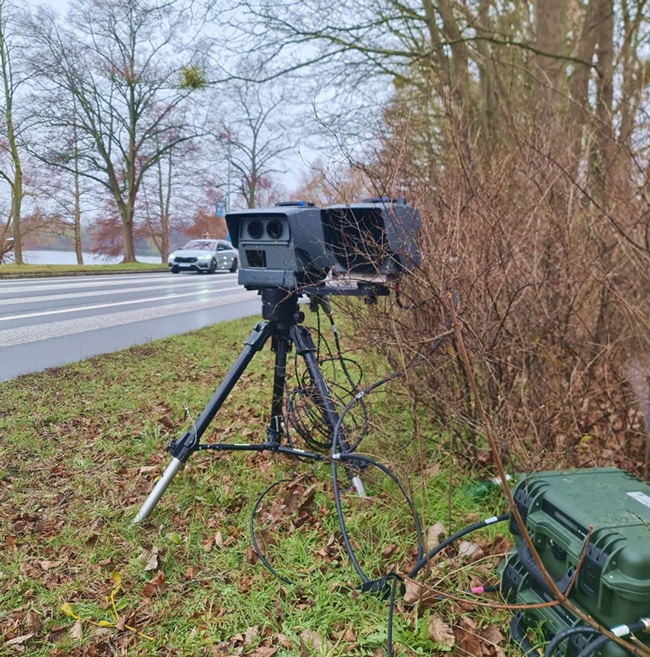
(182, 448)
(305, 348)
(280, 345)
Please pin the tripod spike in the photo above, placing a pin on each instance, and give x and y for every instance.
(157, 492)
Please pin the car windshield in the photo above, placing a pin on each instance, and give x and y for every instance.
(200, 245)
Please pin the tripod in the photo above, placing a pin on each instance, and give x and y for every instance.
(282, 326)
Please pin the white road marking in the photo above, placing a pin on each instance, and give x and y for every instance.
(97, 306)
(24, 335)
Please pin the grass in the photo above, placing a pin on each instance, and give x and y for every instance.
(82, 446)
(31, 271)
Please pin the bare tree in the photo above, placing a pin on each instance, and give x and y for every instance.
(255, 143)
(124, 76)
(12, 172)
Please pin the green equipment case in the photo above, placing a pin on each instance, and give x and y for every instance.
(561, 510)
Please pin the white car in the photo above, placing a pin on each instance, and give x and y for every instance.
(206, 256)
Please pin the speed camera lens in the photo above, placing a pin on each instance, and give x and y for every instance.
(255, 229)
(274, 229)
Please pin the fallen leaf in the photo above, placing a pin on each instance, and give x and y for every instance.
(251, 635)
(33, 621)
(416, 594)
(77, 630)
(349, 635)
(493, 635)
(155, 586)
(19, 640)
(389, 550)
(469, 552)
(311, 637)
(468, 642)
(263, 651)
(434, 535)
(440, 633)
(48, 565)
(490, 650)
(251, 556)
(190, 573)
(152, 561)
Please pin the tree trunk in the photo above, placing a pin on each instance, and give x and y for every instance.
(606, 140)
(78, 248)
(129, 242)
(551, 27)
(16, 203)
(17, 182)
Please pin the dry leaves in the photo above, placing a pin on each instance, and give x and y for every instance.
(155, 586)
(440, 633)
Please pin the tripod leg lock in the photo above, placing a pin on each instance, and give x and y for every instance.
(182, 448)
(274, 433)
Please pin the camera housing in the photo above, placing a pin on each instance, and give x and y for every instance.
(281, 246)
(293, 245)
(375, 237)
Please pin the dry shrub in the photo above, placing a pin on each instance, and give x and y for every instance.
(551, 289)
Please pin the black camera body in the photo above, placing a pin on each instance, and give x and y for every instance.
(294, 245)
(373, 238)
(281, 246)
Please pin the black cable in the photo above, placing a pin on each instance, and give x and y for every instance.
(355, 459)
(328, 312)
(251, 527)
(362, 393)
(391, 608)
(620, 631)
(567, 632)
(454, 537)
(303, 412)
(305, 416)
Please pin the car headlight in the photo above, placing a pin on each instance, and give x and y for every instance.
(204, 256)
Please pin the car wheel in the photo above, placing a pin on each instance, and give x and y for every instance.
(213, 266)
(233, 267)
(175, 269)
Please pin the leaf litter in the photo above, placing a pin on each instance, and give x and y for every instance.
(76, 580)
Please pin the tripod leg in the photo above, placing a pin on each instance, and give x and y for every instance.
(280, 345)
(158, 490)
(307, 350)
(182, 448)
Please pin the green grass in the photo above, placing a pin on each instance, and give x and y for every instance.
(81, 447)
(31, 271)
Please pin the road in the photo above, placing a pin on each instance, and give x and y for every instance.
(47, 322)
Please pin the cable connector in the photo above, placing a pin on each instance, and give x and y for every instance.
(646, 624)
(383, 587)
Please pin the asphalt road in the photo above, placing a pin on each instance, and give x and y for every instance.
(47, 322)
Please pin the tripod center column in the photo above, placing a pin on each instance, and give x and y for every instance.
(280, 307)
